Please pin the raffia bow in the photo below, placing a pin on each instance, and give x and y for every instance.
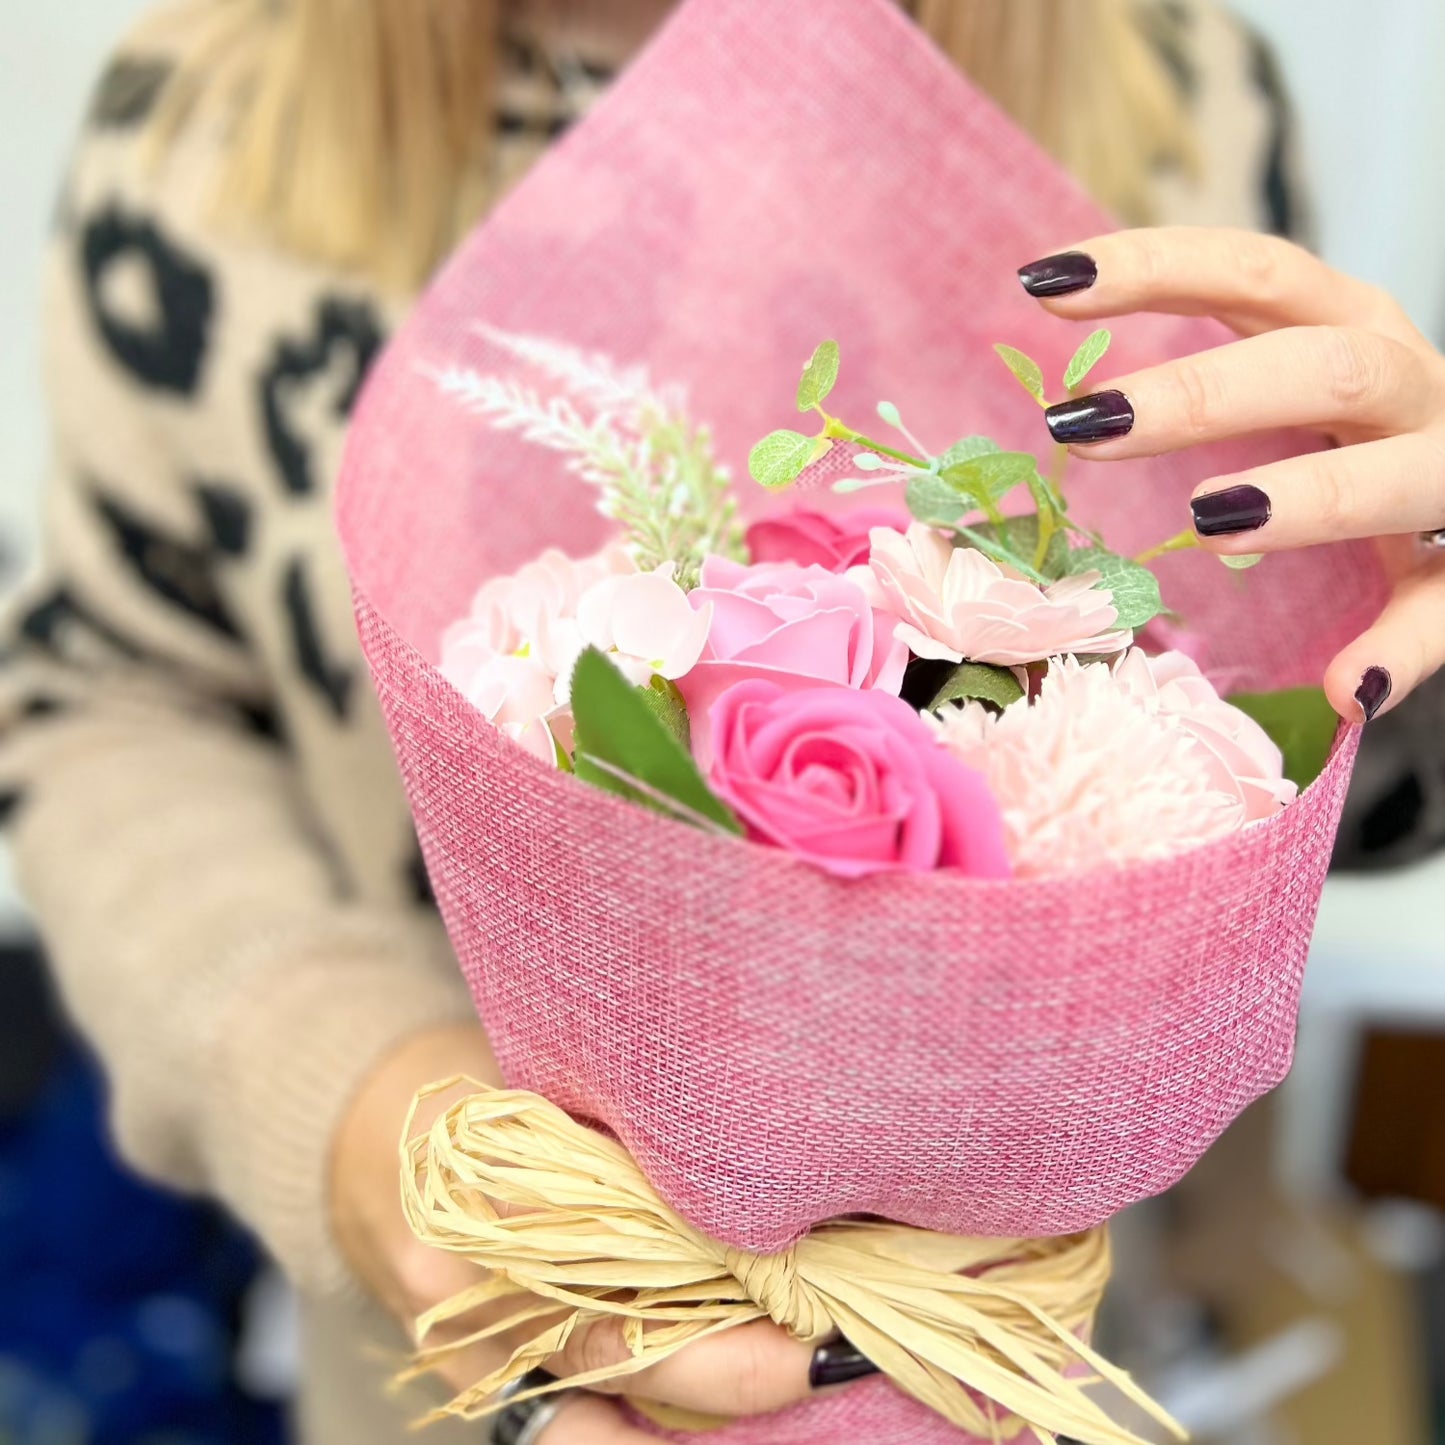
(987, 1332)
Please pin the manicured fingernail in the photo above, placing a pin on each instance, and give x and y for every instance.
(837, 1363)
(1374, 691)
(1235, 509)
(1059, 275)
(1097, 418)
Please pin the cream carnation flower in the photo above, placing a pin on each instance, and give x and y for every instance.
(1245, 759)
(955, 604)
(1113, 764)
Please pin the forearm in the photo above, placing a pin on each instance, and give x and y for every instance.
(197, 938)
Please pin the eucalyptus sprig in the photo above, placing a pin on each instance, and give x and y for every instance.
(949, 489)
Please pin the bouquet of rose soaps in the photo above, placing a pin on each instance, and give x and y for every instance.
(951, 684)
(864, 906)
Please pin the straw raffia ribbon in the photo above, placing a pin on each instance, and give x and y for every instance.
(987, 1332)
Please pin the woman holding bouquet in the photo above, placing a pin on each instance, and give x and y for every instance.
(204, 809)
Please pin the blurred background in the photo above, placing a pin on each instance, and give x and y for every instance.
(1291, 1291)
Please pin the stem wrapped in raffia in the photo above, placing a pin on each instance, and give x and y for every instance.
(989, 1333)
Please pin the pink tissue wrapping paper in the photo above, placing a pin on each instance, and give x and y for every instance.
(775, 1046)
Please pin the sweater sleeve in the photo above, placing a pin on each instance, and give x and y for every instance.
(166, 837)
(193, 926)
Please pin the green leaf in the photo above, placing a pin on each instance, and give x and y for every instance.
(1087, 357)
(666, 705)
(1135, 587)
(933, 501)
(623, 747)
(820, 376)
(780, 458)
(1025, 368)
(991, 476)
(1302, 724)
(973, 485)
(1045, 495)
(976, 681)
(1243, 563)
(1022, 534)
(966, 450)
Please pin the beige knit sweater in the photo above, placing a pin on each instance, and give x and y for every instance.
(202, 800)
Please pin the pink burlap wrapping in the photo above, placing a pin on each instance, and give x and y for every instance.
(775, 1046)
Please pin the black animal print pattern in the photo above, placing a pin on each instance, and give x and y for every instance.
(166, 355)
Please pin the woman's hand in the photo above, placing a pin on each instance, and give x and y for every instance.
(1320, 350)
(751, 1370)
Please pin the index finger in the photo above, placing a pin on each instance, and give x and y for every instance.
(752, 1369)
(1251, 282)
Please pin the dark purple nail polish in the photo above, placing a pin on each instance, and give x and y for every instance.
(838, 1363)
(1374, 691)
(1235, 509)
(1059, 275)
(1097, 418)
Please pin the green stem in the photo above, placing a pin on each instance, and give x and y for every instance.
(838, 431)
(1182, 542)
(1048, 526)
(1059, 470)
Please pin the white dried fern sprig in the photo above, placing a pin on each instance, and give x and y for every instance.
(597, 451)
(589, 376)
(510, 406)
(644, 494)
(654, 471)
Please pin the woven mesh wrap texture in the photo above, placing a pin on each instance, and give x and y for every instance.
(777, 1047)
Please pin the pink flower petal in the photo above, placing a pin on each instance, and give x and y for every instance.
(851, 781)
(969, 607)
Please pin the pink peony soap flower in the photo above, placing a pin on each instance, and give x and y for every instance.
(836, 541)
(507, 654)
(795, 626)
(525, 611)
(514, 693)
(956, 604)
(1098, 771)
(852, 782)
(644, 622)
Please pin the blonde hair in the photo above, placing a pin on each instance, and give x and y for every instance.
(1083, 78)
(359, 131)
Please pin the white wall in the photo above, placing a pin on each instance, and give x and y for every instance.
(49, 54)
(1366, 76)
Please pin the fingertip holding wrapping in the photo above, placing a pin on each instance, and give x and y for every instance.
(1403, 647)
